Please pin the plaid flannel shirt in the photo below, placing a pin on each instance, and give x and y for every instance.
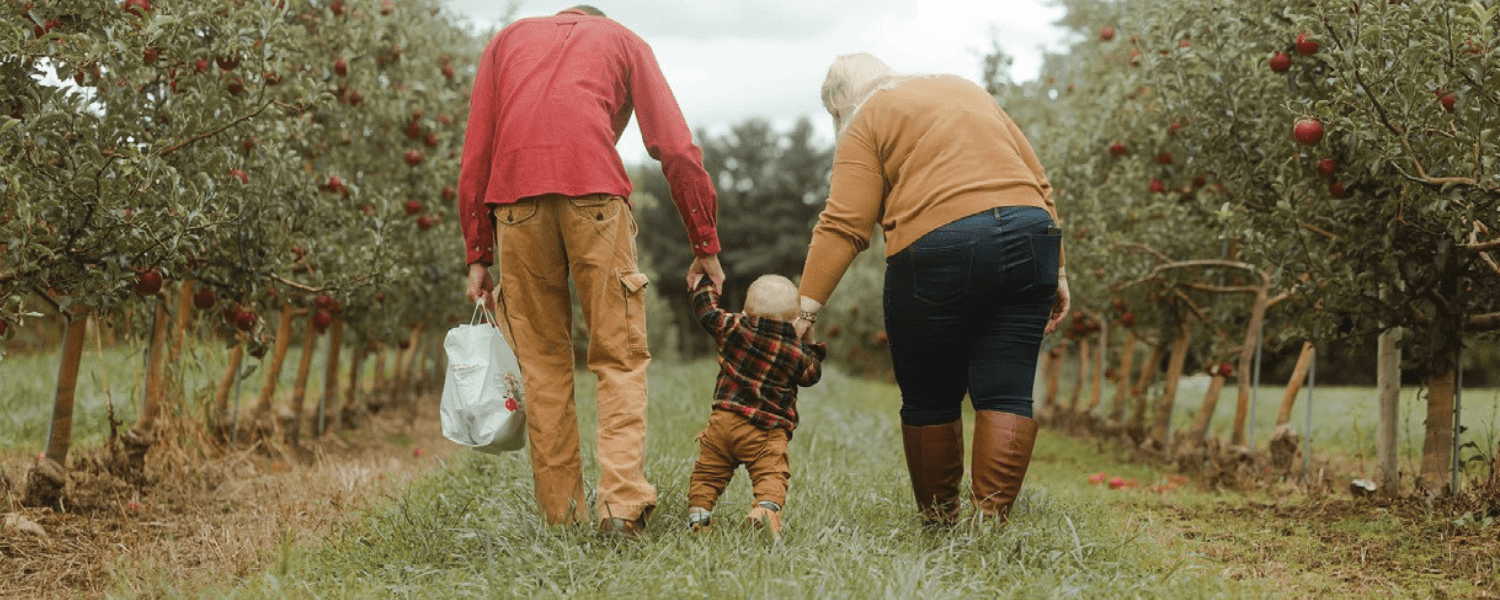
(761, 363)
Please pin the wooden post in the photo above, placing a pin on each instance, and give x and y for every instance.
(1388, 384)
(1163, 425)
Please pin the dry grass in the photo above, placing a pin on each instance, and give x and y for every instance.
(205, 521)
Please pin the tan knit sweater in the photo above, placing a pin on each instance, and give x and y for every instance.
(916, 157)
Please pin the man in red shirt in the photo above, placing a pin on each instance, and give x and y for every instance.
(551, 99)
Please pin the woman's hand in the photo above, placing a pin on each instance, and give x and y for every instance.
(1061, 305)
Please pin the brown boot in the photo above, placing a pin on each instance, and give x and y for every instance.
(935, 460)
(1002, 451)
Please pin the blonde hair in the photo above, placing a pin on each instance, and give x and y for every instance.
(772, 296)
(851, 80)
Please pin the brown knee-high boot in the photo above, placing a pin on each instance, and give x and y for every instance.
(1002, 451)
(935, 460)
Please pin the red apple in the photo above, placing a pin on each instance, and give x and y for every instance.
(1448, 100)
(355, 97)
(341, 68)
(413, 129)
(147, 281)
(1157, 187)
(424, 222)
(1098, 478)
(249, 143)
(1128, 319)
(1164, 158)
(417, 452)
(236, 85)
(1107, 33)
(387, 7)
(205, 298)
(1116, 482)
(412, 157)
(151, 54)
(138, 8)
(1305, 45)
(1199, 180)
(240, 175)
(1226, 370)
(201, 65)
(322, 319)
(335, 184)
(1308, 132)
(1117, 149)
(413, 207)
(448, 71)
(431, 141)
(1327, 168)
(1280, 63)
(337, 7)
(1336, 189)
(244, 320)
(448, 193)
(228, 62)
(1184, 43)
(272, 78)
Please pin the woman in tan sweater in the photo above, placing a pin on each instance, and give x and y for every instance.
(974, 268)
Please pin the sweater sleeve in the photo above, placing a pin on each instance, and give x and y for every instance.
(856, 198)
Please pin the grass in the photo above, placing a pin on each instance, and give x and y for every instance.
(472, 530)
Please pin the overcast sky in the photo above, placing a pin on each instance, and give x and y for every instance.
(728, 60)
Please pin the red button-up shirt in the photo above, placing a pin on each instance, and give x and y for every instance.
(551, 99)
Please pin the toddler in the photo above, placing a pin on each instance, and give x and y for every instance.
(762, 360)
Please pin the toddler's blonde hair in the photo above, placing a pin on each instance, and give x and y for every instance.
(772, 296)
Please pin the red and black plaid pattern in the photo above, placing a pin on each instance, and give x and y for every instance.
(761, 363)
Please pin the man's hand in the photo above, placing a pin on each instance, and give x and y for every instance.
(1060, 305)
(480, 285)
(706, 266)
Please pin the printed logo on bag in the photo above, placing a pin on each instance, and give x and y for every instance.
(510, 404)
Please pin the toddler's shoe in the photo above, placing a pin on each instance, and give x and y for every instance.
(700, 520)
(766, 515)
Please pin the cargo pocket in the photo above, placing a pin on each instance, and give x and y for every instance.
(634, 286)
(600, 209)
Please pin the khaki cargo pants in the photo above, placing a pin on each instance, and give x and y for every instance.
(540, 242)
(729, 441)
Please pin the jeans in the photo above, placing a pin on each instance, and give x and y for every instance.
(965, 310)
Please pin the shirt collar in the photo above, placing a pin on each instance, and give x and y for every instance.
(573, 11)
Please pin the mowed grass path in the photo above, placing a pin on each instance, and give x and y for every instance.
(472, 530)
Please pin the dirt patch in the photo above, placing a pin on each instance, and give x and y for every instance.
(204, 520)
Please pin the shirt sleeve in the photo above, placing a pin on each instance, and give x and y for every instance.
(855, 199)
(474, 174)
(813, 356)
(706, 308)
(667, 138)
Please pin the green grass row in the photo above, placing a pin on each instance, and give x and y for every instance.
(471, 530)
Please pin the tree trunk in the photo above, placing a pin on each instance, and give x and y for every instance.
(184, 311)
(226, 381)
(1098, 380)
(1247, 358)
(1388, 384)
(142, 436)
(60, 437)
(1437, 448)
(1163, 425)
(262, 408)
(331, 373)
(1122, 378)
(382, 374)
(1294, 386)
(404, 363)
(1204, 420)
(1079, 377)
(350, 409)
(293, 418)
(1138, 391)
